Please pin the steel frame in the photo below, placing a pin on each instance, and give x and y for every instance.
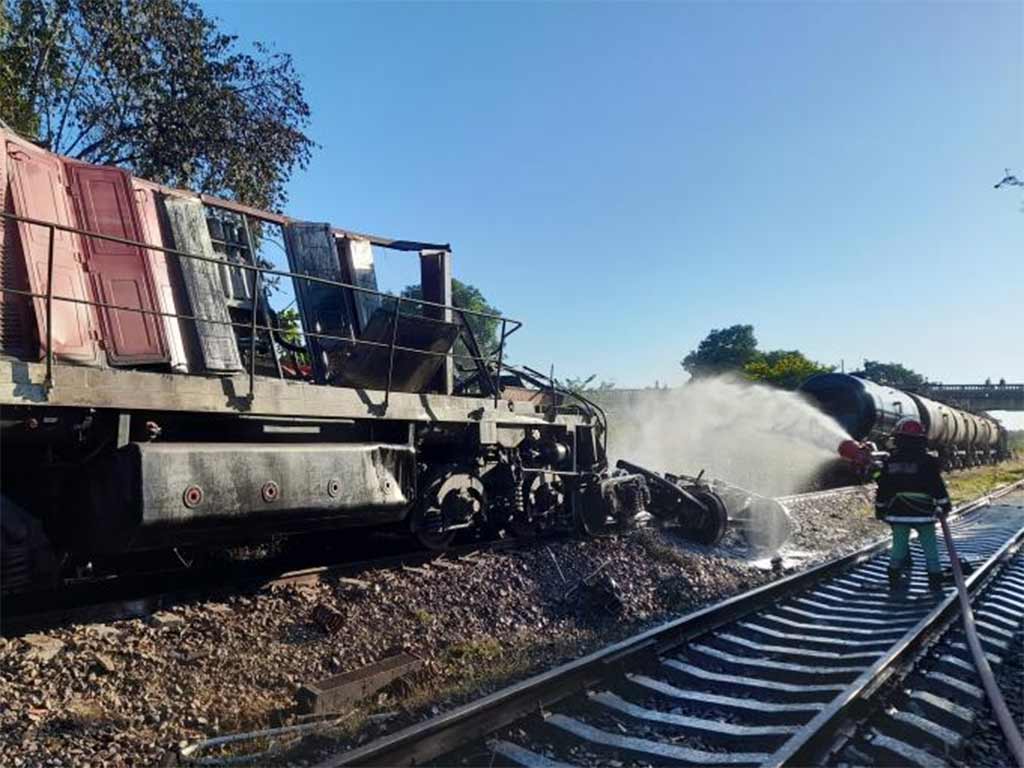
(254, 327)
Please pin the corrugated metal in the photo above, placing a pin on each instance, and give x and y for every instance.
(38, 191)
(119, 272)
(187, 224)
(324, 309)
(357, 269)
(17, 327)
(166, 275)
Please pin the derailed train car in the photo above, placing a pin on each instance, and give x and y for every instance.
(869, 411)
(151, 397)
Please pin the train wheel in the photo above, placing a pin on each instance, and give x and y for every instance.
(711, 525)
(451, 500)
(27, 559)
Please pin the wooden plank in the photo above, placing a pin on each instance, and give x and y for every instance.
(335, 693)
(217, 343)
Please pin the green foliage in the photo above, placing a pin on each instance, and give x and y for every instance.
(722, 350)
(783, 369)
(291, 326)
(465, 296)
(891, 375)
(734, 350)
(582, 386)
(152, 85)
(15, 109)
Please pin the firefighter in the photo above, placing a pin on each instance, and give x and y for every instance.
(910, 494)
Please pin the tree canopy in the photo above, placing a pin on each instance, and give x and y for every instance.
(784, 369)
(891, 375)
(722, 350)
(734, 350)
(154, 86)
(466, 296)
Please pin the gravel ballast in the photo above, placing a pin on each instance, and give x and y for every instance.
(131, 692)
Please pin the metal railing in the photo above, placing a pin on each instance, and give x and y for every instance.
(496, 356)
(973, 388)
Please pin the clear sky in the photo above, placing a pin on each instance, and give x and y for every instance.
(623, 178)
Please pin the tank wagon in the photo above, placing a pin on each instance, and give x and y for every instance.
(869, 411)
(152, 397)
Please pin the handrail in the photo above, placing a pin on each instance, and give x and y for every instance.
(254, 327)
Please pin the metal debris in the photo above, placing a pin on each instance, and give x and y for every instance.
(329, 618)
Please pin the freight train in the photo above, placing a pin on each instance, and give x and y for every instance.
(152, 396)
(869, 411)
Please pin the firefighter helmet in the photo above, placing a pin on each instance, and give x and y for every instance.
(909, 427)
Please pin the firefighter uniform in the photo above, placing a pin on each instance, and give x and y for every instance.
(910, 494)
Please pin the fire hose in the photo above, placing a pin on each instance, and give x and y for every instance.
(995, 696)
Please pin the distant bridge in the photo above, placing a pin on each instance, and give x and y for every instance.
(978, 397)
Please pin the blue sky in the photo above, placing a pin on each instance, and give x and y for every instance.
(626, 177)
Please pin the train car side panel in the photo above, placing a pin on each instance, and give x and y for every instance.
(166, 275)
(38, 191)
(120, 273)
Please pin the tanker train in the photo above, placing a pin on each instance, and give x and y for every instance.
(151, 397)
(869, 411)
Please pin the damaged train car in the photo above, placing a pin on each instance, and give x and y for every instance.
(152, 397)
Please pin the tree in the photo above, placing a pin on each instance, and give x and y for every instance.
(783, 368)
(153, 86)
(582, 386)
(891, 375)
(727, 349)
(14, 107)
(465, 296)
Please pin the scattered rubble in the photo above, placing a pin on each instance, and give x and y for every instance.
(41, 648)
(130, 692)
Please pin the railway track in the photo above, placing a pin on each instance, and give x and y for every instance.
(783, 675)
(928, 720)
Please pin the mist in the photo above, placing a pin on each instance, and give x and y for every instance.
(767, 440)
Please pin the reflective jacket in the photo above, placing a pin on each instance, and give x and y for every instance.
(910, 489)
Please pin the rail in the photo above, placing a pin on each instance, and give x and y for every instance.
(427, 740)
(496, 356)
(812, 739)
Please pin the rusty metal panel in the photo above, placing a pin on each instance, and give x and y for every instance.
(165, 271)
(38, 191)
(187, 225)
(119, 272)
(324, 308)
(357, 269)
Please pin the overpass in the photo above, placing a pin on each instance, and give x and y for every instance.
(978, 397)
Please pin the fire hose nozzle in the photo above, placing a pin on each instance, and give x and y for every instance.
(856, 453)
